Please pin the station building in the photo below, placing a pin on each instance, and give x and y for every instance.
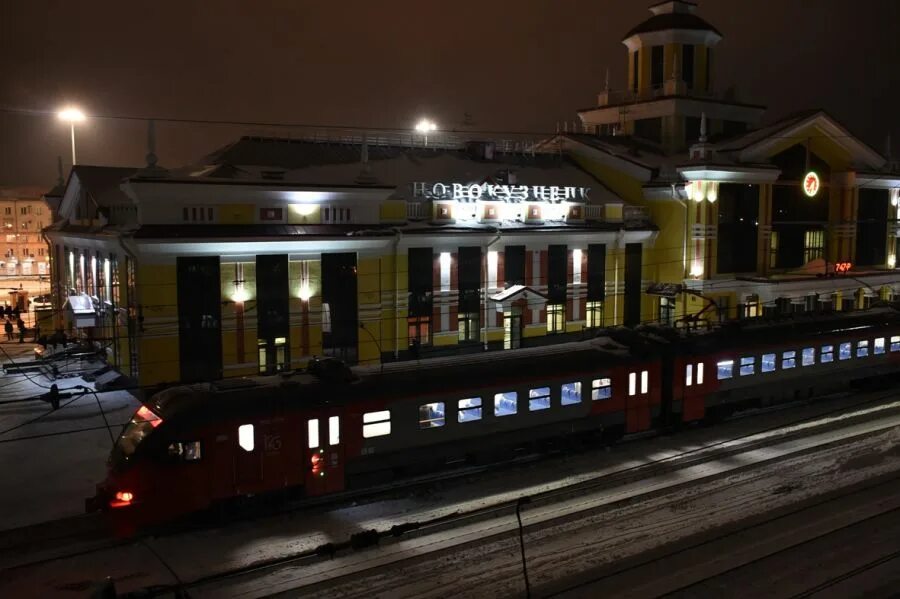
(794, 215)
(270, 251)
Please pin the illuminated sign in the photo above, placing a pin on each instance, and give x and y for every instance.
(811, 184)
(843, 266)
(489, 192)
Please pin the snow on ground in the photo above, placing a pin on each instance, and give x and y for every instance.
(205, 552)
(49, 467)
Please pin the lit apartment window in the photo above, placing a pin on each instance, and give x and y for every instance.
(594, 315)
(468, 327)
(813, 245)
(773, 249)
(556, 318)
(419, 330)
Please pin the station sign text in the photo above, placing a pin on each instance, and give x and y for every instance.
(474, 192)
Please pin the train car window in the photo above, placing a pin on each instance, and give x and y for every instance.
(767, 364)
(188, 451)
(726, 368)
(538, 399)
(808, 356)
(748, 365)
(312, 433)
(895, 343)
(632, 383)
(376, 424)
(431, 415)
(827, 354)
(879, 346)
(469, 409)
(334, 430)
(245, 437)
(571, 393)
(699, 373)
(844, 351)
(645, 382)
(601, 389)
(788, 359)
(688, 375)
(506, 404)
(862, 349)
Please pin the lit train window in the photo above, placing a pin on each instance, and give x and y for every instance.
(895, 343)
(245, 437)
(571, 393)
(788, 359)
(632, 383)
(726, 369)
(699, 373)
(312, 433)
(469, 409)
(506, 404)
(879, 346)
(376, 424)
(688, 375)
(844, 351)
(334, 430)
(767, 364)
(827, 354)
(808, 356)
(862, 349)
(431, 415)
(601, 389)
(748, 365)
(538, 399)
(645, 381)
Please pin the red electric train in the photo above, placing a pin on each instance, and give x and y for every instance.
(329, 429)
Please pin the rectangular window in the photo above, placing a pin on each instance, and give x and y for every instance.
(506, 404)
(808, 356)
(188, 451)
(687, 65)
(376, 424)
(468, 409)
(245, 437)
(632, 383)
(645, 382)
(557, 273)
(773, 249)
(270, 214)
(748, 365)
(788, 359)
(538, 399)
(688, 375)
(556, 318)
(656, 66)
(468, 327)
(594, 315)
(312, 433)
(879, 346)
(334, 430)
(601, 389)
(514, 265)
(431, 415)
(862, 349)
(725, 369)
(571, 393)
(813, 245)
(827, 354)
(895, 343)
(699, 373)
(767, 363)
(419, 331)
(845, 351)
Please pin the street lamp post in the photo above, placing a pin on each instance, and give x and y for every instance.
(425, 127)
(72, 115)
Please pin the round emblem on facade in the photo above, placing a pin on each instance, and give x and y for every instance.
(811, 184)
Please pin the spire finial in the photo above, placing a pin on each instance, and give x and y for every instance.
(151, 144)
(703, 127)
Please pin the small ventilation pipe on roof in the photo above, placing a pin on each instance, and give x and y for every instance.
(487, 250)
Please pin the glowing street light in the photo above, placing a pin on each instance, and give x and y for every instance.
(72, 115)
(425, 127)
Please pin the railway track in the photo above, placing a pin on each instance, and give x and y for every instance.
(409, 529)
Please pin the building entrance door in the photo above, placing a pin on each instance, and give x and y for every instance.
(512, 329)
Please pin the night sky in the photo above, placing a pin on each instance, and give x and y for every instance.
(514, 65)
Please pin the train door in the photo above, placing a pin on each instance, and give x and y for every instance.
(324, 454)
(637, 406)
(247, 459)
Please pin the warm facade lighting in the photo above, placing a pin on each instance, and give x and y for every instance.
(305, 292)
(811, 184)
(304, 209)
(697, 270)
(240, 294)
